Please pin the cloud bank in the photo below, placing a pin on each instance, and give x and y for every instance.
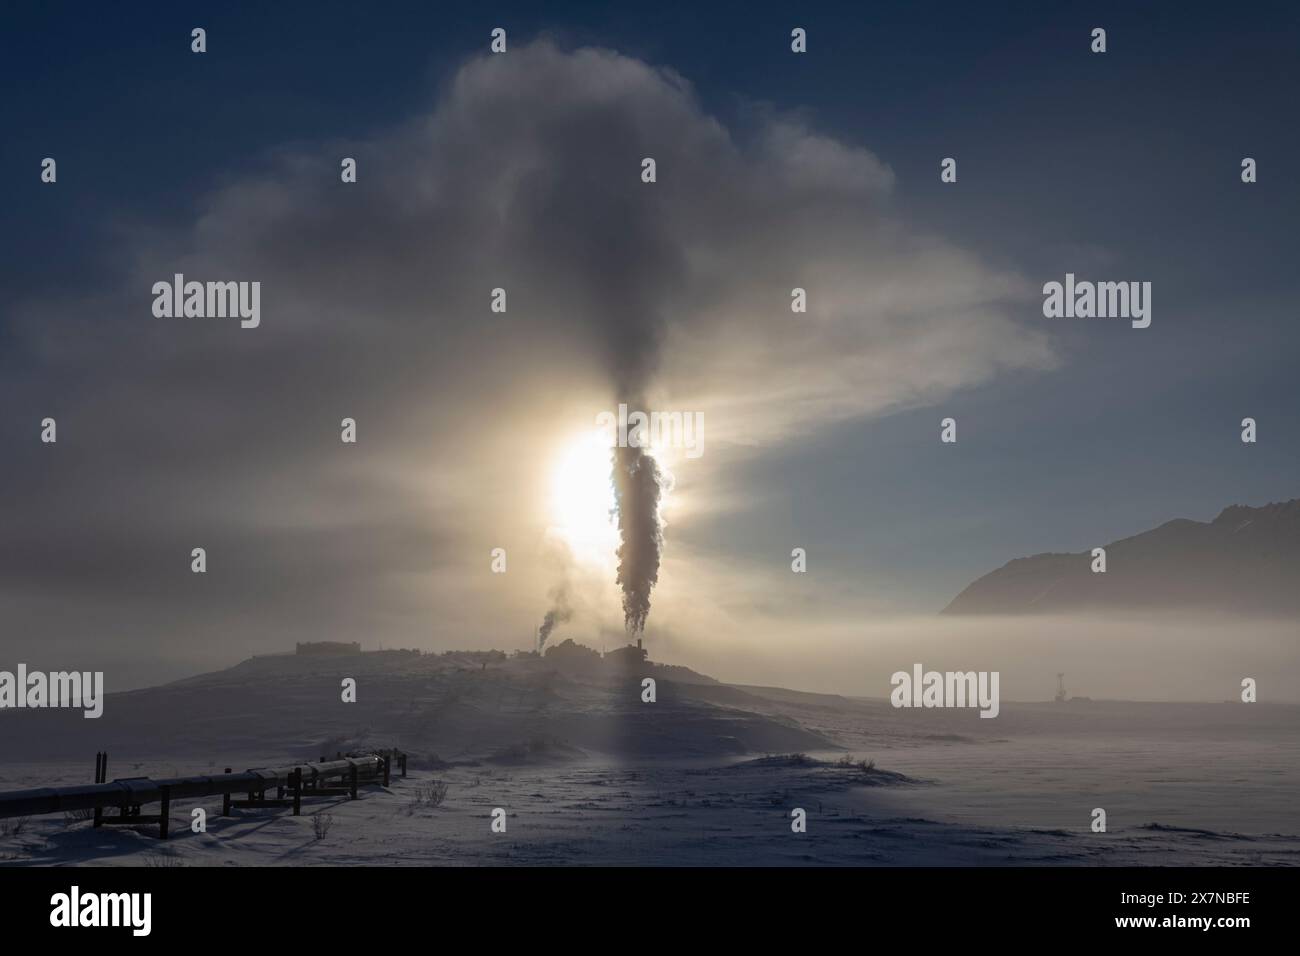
(523, 174)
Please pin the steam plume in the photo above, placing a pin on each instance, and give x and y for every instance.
(637, 486)
(560, 613)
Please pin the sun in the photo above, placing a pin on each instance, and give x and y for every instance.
(582, 499)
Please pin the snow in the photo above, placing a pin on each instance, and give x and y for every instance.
(707, 775)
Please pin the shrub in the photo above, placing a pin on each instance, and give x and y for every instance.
(431, 795)
(321, 823)
(847, 762)
(13, 826)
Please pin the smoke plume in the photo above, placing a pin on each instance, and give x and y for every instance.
(560, 613)
(637, 486)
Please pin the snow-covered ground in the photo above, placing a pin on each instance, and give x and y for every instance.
(709, 774)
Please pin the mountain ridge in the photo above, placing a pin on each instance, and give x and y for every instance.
(1245, 560)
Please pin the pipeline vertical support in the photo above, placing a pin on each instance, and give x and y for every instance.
(164, 812)
(99, 763)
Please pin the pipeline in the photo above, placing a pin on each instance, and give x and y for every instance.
(132, 792)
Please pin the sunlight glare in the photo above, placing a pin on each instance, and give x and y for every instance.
(582, 499)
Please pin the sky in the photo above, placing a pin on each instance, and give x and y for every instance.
(522, 171)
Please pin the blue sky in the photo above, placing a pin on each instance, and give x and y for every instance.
(1120, 166)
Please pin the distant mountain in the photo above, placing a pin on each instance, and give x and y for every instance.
(1246, 561)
